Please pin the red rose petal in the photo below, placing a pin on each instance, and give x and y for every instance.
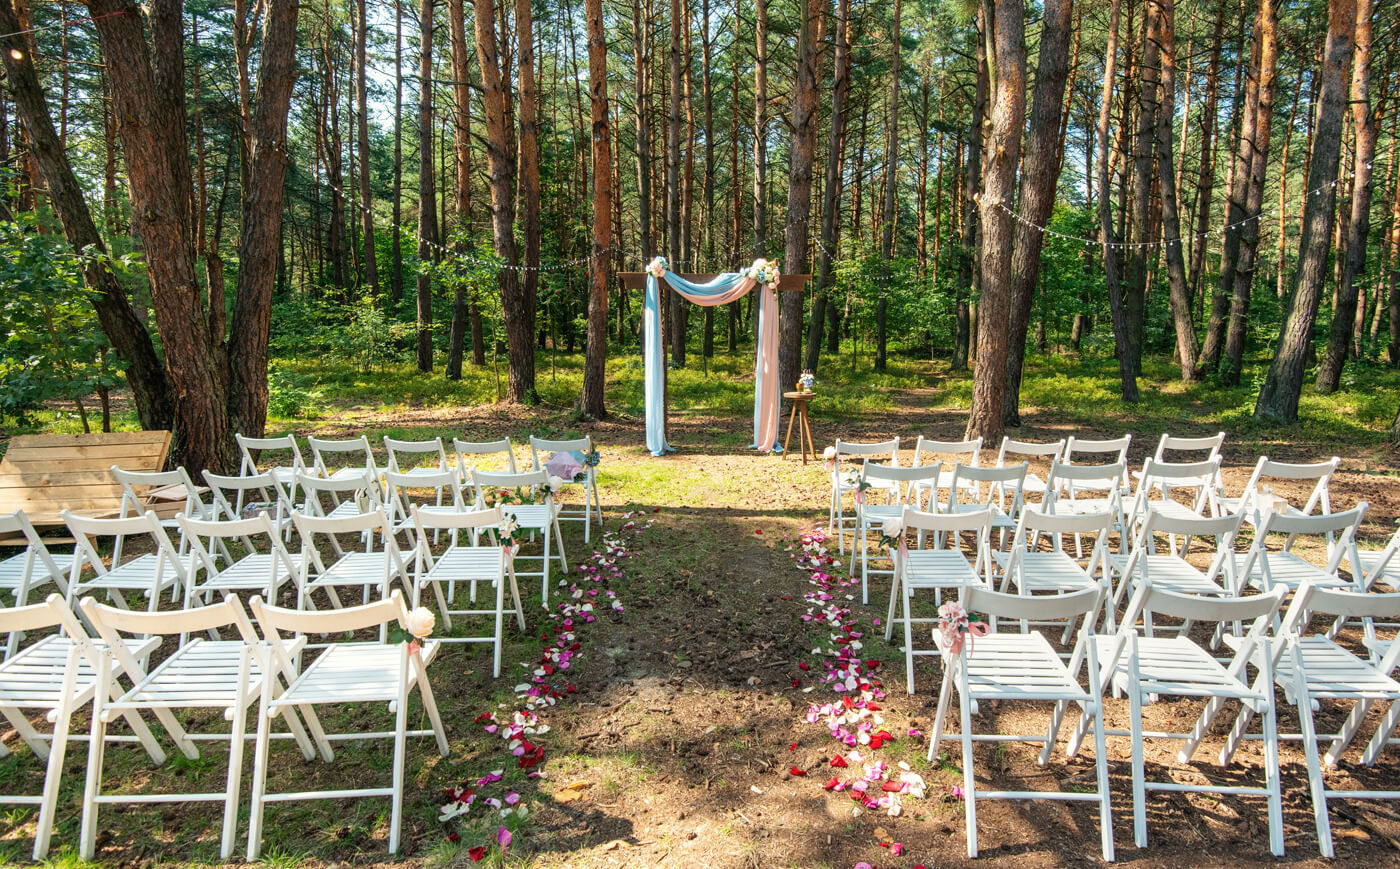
(839, 761)
(804, 666)
(835, 780)
(891, 787)
(876, 742)
(476, 853)
(797, 683)
(795, 771)
(792, 747)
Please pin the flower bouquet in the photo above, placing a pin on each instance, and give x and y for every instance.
(657, 267)
(415, 630)
(806, 381)
(764, 272)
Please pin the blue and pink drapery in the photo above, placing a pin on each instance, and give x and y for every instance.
(723, 289)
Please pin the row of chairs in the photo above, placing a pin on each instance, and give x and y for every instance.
(109, 660)
(340, 459)
(1305, 663)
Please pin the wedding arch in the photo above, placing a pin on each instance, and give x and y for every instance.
(707, 291)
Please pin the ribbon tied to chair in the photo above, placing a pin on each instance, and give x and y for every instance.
(723, 289)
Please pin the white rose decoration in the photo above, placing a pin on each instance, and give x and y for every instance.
(555, 483)
(421, 622)
(894, 527)
(829, 453)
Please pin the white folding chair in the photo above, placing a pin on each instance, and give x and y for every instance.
(1113, 451)
(936, 566)
(339, 459)
(469, 562)
(541, 517)
(494, 456)
(223, 676)
(56, 676)
(367, 570)
(1311, 668)
(1075, 490)
(971, 488)
(1263, 568)
(346, 673)
(1170, 571)
(1259, 495)
(251, 495)
(581, 448)
(1055, 570)
(159, 489)
(349, 494)
(283, 472)
(1025, 667)
(858, 454)
(416, 457)
(1149, 668)
(1374, 566)
(897, 484)
(33, 568)
(945, 454)
(1012, 451)
(444, 485)
(1158, 480)
(1176, 446)
(263, 570)
(150, 573)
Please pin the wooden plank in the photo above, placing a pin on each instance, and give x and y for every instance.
(107, 452)
(638, 280)
(30, 479)
(160, 437)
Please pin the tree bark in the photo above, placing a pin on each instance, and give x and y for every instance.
(1329, 372)
(462, 191)
(1127, 373)
(594, 368)
(1278, 397)
(522, 359)
(806, 107)
(760, 128)
(1179, 292)
(673, 191)
(1039, 175)
(1254, 202)
(831, 190)
(371, 258)
(887, 216)
(396, 247)
(987, 414)
(427, 188)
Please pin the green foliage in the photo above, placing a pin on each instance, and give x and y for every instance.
(52, 347)
(289, 396)
(357, 331)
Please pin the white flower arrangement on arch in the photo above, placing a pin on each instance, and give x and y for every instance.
(764, 272)
(657, 267)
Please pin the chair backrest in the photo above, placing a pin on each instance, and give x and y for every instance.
(1149, 601)
(1319, 473)
(247, 446)
(245, 530)
(1324, 525)
(363, 486)
(977, 521)
(275, 620)
(176, 482)
(1011, 447)
(426, 520)
(1177, 475)
(251, 493)
(1117, 448)
(310, 525)
(1210, 445)
(999, 481)
(543, 445)
(111, 622)
(1098, 478)
(355, 450)
(479, 450)
(53, 612)
(35, 550)
(1051, 607)
(876, 472)
(1035, 523)
(398, 486)
(948, 453)
(848, 450)
(1312, 599)
(483, 480)
(87, 531)
(417, 449)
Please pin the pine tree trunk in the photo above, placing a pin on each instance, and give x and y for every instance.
(427, 188)
(806, 110)
(371, 258)
(887, 217)
(1038, 182)
(673, 192)
(1108, 238)
(462, 191)
(396, 249)
(987, 414)
(1282, 389)
(760, 128)
(594, 368)
(831, 190)
(707, 96)
(522, 361)
(1344, 322)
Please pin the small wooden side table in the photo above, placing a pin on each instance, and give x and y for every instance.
(799, 409)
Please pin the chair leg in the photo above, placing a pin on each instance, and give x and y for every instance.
(1101, 768)
(1348, 731)
(1382, 735)
(400, 738)
(425, 693)
(500, 627)
(1139, 770)
(906, 598)
(1271, 761)
(1316, 786)
(235, 767)
(48, 805)
(945, 692)
(87, 837)
(969, 780)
